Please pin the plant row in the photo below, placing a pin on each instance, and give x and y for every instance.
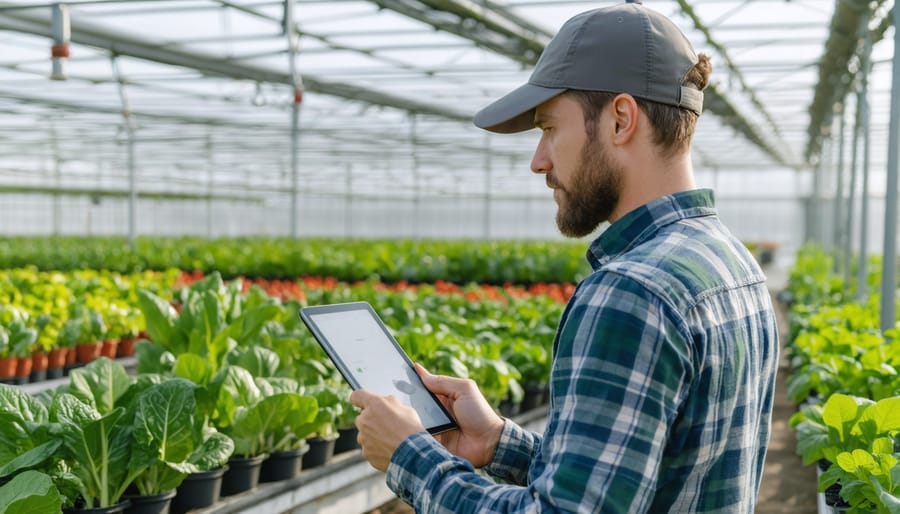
(519, 262)
(228, 371)
(845, 379)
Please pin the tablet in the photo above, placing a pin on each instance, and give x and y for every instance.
(369, 358)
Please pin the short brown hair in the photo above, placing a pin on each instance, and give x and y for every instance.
(673, 126)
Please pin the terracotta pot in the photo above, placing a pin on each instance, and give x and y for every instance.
(126, 346)
(23, 367)
(71, 356)
(57, 357)
(39, 360)
(108, 348)
(88, 352)
(8, 367)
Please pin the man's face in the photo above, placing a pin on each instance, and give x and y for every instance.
(586, 181)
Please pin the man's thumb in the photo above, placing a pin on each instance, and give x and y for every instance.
(439, 384)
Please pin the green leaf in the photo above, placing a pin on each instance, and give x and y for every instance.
(194, 368)
(29, 493)
(100, 383)
(882, 418)
(890, 501)
(160, 317)
(21, 404)
(840, 413)
(164, 421)
(215, 451)
(33, 458)
(259, 361)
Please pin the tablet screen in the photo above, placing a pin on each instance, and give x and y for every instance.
(369, 358)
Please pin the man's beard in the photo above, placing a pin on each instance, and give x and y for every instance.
(593, 193)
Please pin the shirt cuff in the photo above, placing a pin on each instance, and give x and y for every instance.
(416, 465)
(513, 455)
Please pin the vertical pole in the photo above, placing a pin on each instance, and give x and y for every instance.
(297, 83)
(839, 263)
(851, 194)
(488, 171)
(128, 123)
(210, 165)
(348, 202)
(57, 179)
(413, 135)
(889, 265)
(865, 115)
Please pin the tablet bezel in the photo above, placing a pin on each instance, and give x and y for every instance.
(306, 314)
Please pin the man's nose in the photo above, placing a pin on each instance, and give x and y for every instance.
(540, 162)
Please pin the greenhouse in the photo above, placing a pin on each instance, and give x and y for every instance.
(179, 178)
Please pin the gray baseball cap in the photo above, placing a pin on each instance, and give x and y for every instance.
(625, 48)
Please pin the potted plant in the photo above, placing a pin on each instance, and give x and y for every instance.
(93, 332)
(322, 429)
(170, 443)
(16, 340)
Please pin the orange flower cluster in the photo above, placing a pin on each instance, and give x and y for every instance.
(295, 289)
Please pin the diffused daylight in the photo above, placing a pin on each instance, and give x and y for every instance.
(179, 178)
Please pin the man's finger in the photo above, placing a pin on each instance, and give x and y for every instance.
(360, 398)
(439, 384)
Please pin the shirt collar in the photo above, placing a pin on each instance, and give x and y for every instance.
(645, 221)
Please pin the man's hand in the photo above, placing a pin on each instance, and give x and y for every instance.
(480, 427)
(383, 424)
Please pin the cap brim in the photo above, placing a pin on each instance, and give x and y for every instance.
(515, 111)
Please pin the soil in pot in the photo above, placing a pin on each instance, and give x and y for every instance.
(151, 504)
(282, 465)
(242, 474)
(198, 490)
(320, 452)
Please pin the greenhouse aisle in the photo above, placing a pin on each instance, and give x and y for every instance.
(787, 487)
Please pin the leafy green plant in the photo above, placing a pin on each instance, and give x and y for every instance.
(857, 435)
(171, 439)
(870, 480)
(16, 338)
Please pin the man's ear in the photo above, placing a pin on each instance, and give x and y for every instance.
(624, 110)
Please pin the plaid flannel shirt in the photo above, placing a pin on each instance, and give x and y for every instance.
(661, 387)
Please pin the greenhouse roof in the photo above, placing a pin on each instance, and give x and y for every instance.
(205, 88)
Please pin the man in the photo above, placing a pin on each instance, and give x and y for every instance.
(665, 357)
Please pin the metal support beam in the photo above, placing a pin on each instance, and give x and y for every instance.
(126, 44)
(488, 171)
(889, 264)
(862, 286)
(128, 126)
(838, 234)
(851, 194)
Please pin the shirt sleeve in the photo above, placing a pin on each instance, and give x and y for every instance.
(514, 454)
(620, 366)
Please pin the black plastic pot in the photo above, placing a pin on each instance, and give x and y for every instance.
(534, 397)
(509, 409)
(320, 452)
(112, 509)
(54, 373)
(242, 474)
(346, 440)
(282, 465)
(151, 504)
(38, 376)
(198, 490)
